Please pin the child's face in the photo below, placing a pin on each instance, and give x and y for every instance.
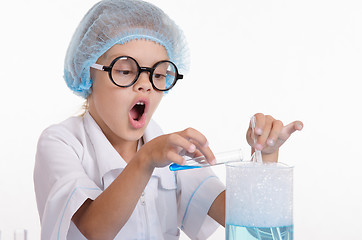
(115, 109)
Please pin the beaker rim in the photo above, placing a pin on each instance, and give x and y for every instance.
(244, 164)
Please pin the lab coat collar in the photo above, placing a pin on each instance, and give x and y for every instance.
(108, 159)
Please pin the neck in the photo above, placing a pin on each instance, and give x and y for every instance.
(126, 149)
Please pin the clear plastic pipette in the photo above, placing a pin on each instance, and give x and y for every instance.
(199, 162)
(257, 153)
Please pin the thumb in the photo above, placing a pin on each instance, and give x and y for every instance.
(289, 129)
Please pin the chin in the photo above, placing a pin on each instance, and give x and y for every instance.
(133, 134)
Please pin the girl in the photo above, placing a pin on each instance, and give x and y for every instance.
(105, 175)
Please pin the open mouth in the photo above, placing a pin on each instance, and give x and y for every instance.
(137, 114)
(137, 111)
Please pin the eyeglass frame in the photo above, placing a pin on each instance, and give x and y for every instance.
(140, 70)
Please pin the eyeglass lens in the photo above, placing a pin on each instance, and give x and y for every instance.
(125, 72)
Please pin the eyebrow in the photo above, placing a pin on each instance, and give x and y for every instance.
(114, 56)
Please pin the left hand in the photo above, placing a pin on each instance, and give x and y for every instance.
(270, 133)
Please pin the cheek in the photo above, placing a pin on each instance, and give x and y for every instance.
(99, 91)
(156, 100)
(106, 96)
(102, 86)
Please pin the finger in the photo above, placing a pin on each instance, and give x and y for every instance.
(195, 154)
(201, 143)
(178, 141)
(261, 140)
(259, 123)
(197, 157)
(289, 129)
(198, 137)
(206, 151)
(250, 137)
(277, 127)
(176, 158)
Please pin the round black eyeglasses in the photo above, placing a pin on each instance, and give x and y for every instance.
(124, 71)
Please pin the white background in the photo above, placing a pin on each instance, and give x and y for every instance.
(291, 59)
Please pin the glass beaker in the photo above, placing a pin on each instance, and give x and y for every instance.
(20, 234)
(259, 201)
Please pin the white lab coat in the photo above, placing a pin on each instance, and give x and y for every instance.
(75, 161)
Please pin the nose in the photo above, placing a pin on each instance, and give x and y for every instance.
(143, 83)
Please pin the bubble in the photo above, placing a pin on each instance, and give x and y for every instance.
(259, 195)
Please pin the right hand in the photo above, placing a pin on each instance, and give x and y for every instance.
(165, 149)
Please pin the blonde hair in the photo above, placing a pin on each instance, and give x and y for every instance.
(85, 107)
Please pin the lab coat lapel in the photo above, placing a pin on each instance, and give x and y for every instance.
(111, 163)
(107, 157)
(167, 178)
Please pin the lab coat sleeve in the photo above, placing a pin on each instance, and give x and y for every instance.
(61, 184)
(197, 190)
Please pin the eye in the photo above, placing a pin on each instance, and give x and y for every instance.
(159, 76)
(123, 72)
(124, 68)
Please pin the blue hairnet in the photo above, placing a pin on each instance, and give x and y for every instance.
(111, 22)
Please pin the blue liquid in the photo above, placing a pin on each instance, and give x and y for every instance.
(176, 167)
(234, 232)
